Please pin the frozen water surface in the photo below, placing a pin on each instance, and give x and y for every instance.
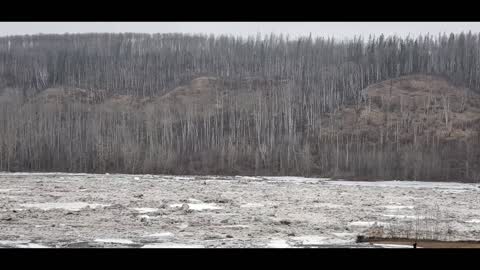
(407, 184)
(367, 223)
(255, 211)
(473, 221)
(398, 207)
(32, 245)
(278, 243)
(72, 206)
(161, 235)
(171, 245)
(114, 241)
(251, 205)
(198, 206)
(144, 210)
(236, 226)
(344, 235)
(328, 205)
(402, 216)
(10, 242)
(393, 246)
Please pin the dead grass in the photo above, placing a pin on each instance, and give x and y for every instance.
(427, 243)
(415, 103)
(429, 230)
(429, 224)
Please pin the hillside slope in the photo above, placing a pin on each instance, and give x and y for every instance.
(413, 127)
(412, 121)
(420, 104)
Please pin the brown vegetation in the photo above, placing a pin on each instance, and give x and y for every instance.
(206, 128)
(196, 105)
(427, 243)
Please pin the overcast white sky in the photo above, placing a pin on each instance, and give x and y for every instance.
(339, 30)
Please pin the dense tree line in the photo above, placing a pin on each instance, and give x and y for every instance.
(144, 65)
(277, 105)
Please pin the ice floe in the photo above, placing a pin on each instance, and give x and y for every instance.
(182, 226)
(32, 245)
(10, 242)
(114, 241)
(146, 217)
(345, 235)
(367, 223)
(320, 240)
(198, 206)
(21, 244)
(398, 207)
(71, 206)
(327, 205)
(171, 245)
(239, 226)
(294, 179)
(144, 210)
(393, 246)
(473, 221)
(161, 235)
(252, 205)
(278, 243)
(403, 216)
(407, 184)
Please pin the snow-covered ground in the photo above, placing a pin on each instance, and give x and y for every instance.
(39, 210)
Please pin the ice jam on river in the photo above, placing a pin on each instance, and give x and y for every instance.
(41, 210)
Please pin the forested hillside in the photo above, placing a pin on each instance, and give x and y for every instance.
(373, 108)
